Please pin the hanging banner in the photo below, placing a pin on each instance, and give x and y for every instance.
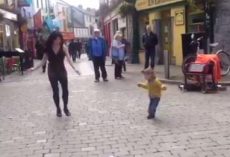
(38, 20)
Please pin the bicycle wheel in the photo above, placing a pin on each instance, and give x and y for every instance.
(224, 62)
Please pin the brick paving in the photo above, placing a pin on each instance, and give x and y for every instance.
(109, 119)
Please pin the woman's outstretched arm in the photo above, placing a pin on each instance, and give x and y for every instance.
(70, 61)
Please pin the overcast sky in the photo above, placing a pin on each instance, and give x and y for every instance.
(85, 3)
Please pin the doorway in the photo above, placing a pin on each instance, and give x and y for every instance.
(166, 33)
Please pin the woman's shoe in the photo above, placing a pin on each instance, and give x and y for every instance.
(59, 114)
(150, 116)
(122, 77)
(67, 113)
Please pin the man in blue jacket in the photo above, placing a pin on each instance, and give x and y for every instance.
(97, 50)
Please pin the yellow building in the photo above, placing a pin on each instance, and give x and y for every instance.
(167, 17)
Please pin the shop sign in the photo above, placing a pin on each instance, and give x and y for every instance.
(38, 20)
(179, 17)
(148, 4)
(68, 35)
(9, 15)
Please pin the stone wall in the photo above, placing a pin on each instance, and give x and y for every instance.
(222, 25)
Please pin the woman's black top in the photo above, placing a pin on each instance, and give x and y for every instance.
(56, 62)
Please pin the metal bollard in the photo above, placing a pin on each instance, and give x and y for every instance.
(166, 64)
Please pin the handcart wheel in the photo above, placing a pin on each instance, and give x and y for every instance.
(187, 61)
(204, 91)
(181, 87)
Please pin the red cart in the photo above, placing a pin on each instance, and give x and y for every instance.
(201, 73)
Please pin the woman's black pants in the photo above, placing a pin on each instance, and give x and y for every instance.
(62, 78)
(118, 68)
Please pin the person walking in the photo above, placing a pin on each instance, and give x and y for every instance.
(87, 50)
(150, 41)
(79, 48)
(97, 50)
(40, 47)
(118, 55)
(72, 50)
(55, 53)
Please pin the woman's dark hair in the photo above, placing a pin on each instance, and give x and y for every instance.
(53, 36)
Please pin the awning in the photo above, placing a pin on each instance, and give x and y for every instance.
(24, 3)
(9, 15)
(68, 35)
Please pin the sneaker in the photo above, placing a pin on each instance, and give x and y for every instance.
(105, 80)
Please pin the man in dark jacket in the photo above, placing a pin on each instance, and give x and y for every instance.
(79, 48)
(72, 50)
(150, 41)
(97, 50)
(40, 49)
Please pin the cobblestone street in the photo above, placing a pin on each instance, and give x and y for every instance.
(109, 119)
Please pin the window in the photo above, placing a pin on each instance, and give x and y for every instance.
(7, 27)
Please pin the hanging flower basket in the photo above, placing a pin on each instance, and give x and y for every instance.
(126, 9)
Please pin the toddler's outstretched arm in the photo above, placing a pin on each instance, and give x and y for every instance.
(143, 85)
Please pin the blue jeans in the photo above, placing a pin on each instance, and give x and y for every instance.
(153, 106)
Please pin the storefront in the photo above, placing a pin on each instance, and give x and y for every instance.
(8, 30)
(167, 18)
(112, 23)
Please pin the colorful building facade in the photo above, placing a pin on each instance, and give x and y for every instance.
(113, 22)
(168, 20)
(8, 26)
